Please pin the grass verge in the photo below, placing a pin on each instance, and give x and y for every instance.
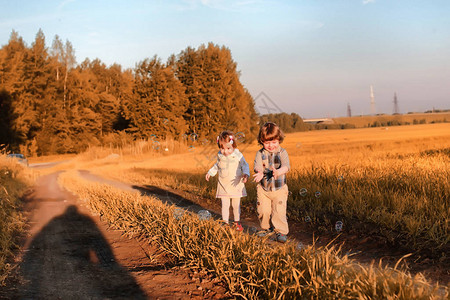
(14, 180)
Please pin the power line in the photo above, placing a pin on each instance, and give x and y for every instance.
(372, 101)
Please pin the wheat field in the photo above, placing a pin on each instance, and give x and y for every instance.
(396, 178)
(250, 267)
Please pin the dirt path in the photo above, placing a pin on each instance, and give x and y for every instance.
(70, 254)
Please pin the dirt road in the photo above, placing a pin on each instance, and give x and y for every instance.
(70, 254)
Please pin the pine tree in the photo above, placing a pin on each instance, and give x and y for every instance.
(8, 137)
(25, 79)
(158, 101)
(41, 86)
(217, 99)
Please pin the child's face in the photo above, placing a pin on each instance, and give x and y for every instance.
(271, 146)
(226, 149)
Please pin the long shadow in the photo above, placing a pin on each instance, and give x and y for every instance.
(70, 259)
(165, 195)
(169, 197)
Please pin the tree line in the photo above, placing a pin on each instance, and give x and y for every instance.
(49, 104)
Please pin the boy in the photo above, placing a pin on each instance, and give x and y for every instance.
(271, 165)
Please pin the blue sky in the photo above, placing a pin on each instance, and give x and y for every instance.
(311, 57)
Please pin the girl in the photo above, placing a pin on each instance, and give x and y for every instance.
(233, 173)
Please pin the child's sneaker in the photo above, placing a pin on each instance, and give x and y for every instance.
(238, 226)
(282, 238)
(265, 232)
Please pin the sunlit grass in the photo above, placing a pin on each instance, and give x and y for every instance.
(250, 267)
(14, 180)
(396, 181)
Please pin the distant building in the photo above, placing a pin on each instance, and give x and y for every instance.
(319, 121)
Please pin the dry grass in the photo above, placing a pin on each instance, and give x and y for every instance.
(251, 267)
(14, 180)
(396, 180)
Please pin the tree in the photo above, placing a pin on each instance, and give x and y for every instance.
(8, 136)
(25, 78)
(38, 80)
(288, 123)
(217, 99)
(52, 105)
(107, 88)
(12, 64)
(11, 72)
(65, 55)
(56, 53)
(158, 102)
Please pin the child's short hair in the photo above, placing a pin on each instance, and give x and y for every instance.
(269, 132)
(226, 137)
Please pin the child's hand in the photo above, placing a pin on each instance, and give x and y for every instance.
(258, 176)
(244, 178)
(275, 172)
(207, 176)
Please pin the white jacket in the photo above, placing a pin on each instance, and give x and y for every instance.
(230, 169)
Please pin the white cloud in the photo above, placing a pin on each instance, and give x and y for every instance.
(368, 1)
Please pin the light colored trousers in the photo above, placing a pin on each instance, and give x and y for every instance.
(236, 204)
(271, 206)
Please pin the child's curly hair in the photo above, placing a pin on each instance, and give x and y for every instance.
(226, 137)
(270, 132)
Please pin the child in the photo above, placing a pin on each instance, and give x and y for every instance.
(233, 173)
(271, 165)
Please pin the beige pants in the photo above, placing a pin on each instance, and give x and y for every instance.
(271, 206)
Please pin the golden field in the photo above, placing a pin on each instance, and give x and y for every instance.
(395, 179)
(250, 267)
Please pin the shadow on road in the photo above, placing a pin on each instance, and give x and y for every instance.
(168, 197)
(249, 224)
(70, 258)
